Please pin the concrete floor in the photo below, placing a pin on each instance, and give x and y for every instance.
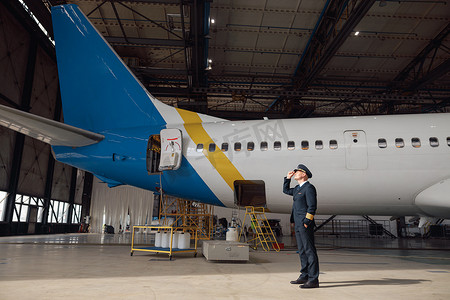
(95, 266)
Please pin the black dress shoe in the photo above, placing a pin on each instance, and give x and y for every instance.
(299, 280)
(310, 284)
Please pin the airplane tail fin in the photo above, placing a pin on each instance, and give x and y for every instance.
(98, 90)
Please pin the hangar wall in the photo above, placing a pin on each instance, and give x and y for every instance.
(119, 206)
(30, 179)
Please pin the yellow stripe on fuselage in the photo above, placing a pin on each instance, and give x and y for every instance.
(194, 127)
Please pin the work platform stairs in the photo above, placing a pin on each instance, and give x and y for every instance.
(263, 234)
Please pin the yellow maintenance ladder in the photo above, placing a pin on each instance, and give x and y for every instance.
(261, 227)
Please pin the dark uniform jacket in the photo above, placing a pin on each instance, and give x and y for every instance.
(305, 200)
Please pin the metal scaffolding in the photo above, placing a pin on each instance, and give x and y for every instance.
(187, 214)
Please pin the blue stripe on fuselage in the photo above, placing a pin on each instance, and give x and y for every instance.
(186, 183)
(129, 146)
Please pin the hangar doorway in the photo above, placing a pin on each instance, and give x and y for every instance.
(250, 193)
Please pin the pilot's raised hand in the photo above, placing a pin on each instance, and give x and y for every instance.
(290, 174)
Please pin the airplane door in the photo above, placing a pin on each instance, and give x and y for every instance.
(171, 149)
(355, 150)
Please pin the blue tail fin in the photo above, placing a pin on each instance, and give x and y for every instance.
(98, 91)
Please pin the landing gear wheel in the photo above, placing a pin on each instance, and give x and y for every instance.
(131, 254)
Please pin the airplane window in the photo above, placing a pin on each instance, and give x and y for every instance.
(212, 147)
(224, 147)
(264, 146)
(305, 145)
(434, 142)
(237, 146)
(250, 146)
(382, 143)
(319, 145)
(333, 144)
(399, 143)
(291, 145)
(199, 147)
(277, 145)
(415, 142)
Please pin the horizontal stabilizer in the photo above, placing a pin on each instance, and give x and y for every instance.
(48, 131)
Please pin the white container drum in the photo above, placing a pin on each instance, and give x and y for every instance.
(175, 240)
(165, 240)
(184, 240)
(232, 234)
(158, 239)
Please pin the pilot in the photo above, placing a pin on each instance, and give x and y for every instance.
(303, 209)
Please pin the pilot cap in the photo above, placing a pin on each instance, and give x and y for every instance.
(302, 167)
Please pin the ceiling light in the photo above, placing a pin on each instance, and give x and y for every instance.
(213, 21)
(356, 33)
(209, 66)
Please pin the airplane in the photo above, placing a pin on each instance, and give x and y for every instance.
(390, 165)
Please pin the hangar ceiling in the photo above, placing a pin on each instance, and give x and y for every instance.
(271, 58)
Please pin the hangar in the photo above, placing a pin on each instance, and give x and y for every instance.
(233, 60)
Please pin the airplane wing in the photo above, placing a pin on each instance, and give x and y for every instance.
(435, 199)
(48, 131)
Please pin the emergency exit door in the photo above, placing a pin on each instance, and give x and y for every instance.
(171, 149)
(355, 150)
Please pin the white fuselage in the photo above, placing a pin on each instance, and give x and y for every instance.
(373, 165)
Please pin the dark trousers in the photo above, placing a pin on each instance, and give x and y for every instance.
(307, 251)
